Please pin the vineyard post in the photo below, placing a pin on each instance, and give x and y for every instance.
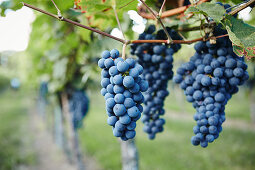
(252, 104)
(72, 134)
(58, 126)
(59, 123)
(129, 154)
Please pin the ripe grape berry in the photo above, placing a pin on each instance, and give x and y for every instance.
(209, 80)
(157, 61)
(78, 106)
(121, 87)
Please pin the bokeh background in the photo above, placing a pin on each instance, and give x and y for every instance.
(38, 51)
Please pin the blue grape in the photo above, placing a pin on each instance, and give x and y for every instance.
(125, 119)
(119, 109)
(118, 79)
(119, 98)
(155, 64)
(122, 85)
(131, 62)
(109, 88)
(113, 71)
(112, 120)
(131, 125)
(78, 106)
(130, 134)
(122, 66)
(105, 82)
(103, 91)
(114, 53)
(216, 78)
(129, 102)
(110, 102)
(133, 111)
(101, 63)
(106, 54)
(128, 81)
(108, 62)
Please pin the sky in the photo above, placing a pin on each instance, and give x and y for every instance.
(15, 28)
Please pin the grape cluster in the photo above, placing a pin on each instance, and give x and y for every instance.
(78, 106)
(209, 80)
(43, 91)
(15, 83)
(157, 61)
(121, 87)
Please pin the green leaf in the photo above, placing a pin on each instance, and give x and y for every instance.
(192, 9)
(248, 52)
(233, 37)
(238, 50)
(215, 11)
(242, 36)
(102, 5)
(239, 30)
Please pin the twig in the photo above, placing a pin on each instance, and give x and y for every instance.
(151, 11)
(161, 9)
(126, 4)
(118, 21)
(170, 12)
(55, 5)
(241, 7)
(158, 18)
(176, 41)
(59, 12)
(74, 23)
(181, 35)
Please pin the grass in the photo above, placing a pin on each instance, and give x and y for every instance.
(171, 150)
(14, 141)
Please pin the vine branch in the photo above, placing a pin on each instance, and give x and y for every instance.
(116, 38)
(156, 16)
(241, 7)
(75, 23)
(176, 41)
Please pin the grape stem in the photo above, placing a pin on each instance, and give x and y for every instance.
(156, 16)
(123, 55)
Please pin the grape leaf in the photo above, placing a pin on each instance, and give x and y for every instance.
(242, 31)
(104, 5)
(248, 52)
(242, 36)
(238, 50)
(101, 14)
(215, 11)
